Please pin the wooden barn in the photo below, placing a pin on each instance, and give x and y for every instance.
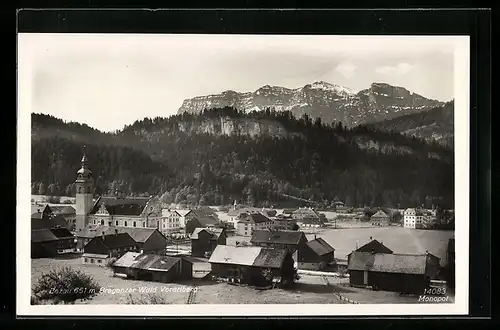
(316, 255)
(291, 240)
(153, 267)
(194, 221)
(205, 240)
(404, 273)
(148, 240)
(252, 265)
(373, 246)
(46, 243)
(102, 248)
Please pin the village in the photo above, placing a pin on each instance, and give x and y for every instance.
(242, 254)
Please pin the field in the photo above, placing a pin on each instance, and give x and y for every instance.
(398, 239)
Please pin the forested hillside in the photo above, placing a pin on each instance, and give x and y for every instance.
(224, 155)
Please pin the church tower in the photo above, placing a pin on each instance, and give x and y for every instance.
(84, 193)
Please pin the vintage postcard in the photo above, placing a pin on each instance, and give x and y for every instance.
(234, 175)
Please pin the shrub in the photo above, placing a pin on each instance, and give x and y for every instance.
(65, 285)
(150, 299)
(52, 199)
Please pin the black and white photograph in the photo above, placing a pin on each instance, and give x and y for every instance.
(191, 174)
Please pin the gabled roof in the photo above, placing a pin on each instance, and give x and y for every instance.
(47, 235)
(213, 232)
(114, 241)
(248, 256)
(376, 245)
(255, 218)
(204, 212)
(63, 210)
(306, 212)
(380, 214)
(140, 235)
(169, 212)
(121, 206)
(278, 237)
(388, 262)
(207, 221)
(320, 246)
(146, 261)
(48, 222)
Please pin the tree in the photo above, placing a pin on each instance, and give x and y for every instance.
(65, 285)
(41, 189)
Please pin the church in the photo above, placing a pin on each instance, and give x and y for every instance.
(112, 211)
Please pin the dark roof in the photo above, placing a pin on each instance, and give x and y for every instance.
(116, 240)
(121, 206)
(255, 218)
(248, 256)
(207, 221)
(138, 234)
(204, 212)
(63, 210)
(213, 232)
(374, 244)
(320, 246)
(388, 262)
(280, 237)
(48, 222)
(47, 235)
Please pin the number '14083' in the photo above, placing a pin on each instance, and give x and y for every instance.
(435, 291)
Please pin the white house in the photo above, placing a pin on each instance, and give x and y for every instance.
(413, 218)
(253, 221)
(170, 222)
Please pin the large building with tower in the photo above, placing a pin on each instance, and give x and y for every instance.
(112, 211)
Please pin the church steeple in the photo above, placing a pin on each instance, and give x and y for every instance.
(84, 192)
(84, 172)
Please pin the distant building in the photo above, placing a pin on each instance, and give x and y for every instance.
(248, 223)
(316, 255)
(205, 240)
(413, 218)
(151, 267)
(372, 245)
(392, 272)
(252, 264)
(304, 213)
(67, 212)
(235, 213)
(284, 222)
(170, 222)
(44, 218)
(380, 218)
(50, 242)
(290, 240)
(148, 240)
(193, 222)
(103, 247)
(311, 222)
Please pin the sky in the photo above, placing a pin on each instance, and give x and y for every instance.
(108, 80)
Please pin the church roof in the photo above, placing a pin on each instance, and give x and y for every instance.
(121, 206)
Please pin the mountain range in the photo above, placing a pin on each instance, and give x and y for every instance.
(331, 103)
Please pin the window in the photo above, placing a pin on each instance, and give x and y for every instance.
(92, 260)
(134, 223)
(94, 222)
(102, 222)
(116, 223)
(86, 259)
(79, 190)
(144, 224)
(88, 190)
(109, 223)
(99, 261)
(125, 223)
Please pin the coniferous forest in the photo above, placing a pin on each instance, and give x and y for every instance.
(192, 159)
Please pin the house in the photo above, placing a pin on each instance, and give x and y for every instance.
(290, 240)
(200, 213)
(152, 267)
(235, 213)
(148, 240)
(413, 218)
(205, 240)
(249, 222)
(252, 264)
(170, 222)
(182, 218)
(103, 248)
(372, 246)
(403, 273)
(200, 222)
(311, 222)
(67, 212)
(50, 242)
(284, 222)
(305, 213)
(44, 217)
(316, 255)
(380, 218)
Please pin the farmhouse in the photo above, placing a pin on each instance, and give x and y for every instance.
(148, 240)
(290, 240)
(252, 264)
(305, 213)
(205, 240)
(104, 247)
(193, 222)
(51, 242)
(380, 219)
(392, 272)
(152, 267)
(248, 223)
(316, 255)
